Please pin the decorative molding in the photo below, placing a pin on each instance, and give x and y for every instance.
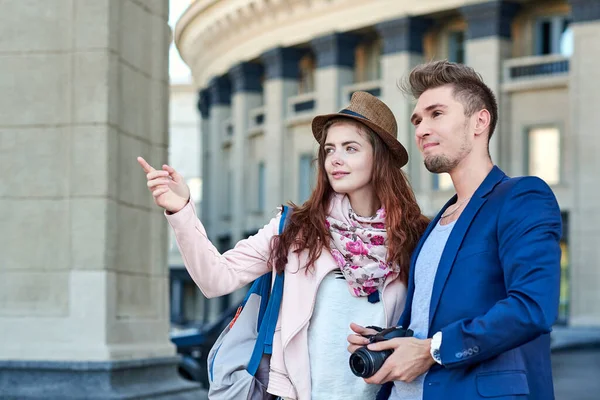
(536, 84)
(535, 73)
(214, 35)
(246, 77)
(301, 103)
(403, 34)
(493, 18)
(336, 49)
(372, 87)
(585, 10)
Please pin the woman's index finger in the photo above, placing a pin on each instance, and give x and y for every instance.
(147, 167)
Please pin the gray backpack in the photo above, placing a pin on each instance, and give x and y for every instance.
(238, 363)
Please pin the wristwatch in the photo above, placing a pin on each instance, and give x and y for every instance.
(436, 343)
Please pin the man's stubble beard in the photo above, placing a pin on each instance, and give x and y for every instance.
(442, 163)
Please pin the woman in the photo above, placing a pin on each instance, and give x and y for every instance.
(342, 251)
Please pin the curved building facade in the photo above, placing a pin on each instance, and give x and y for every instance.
(264, 68)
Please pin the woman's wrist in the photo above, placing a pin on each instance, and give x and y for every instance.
(175, 210)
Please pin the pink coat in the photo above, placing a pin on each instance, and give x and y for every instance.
(219, 274)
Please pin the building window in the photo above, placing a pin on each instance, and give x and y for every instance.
(553, 36)
(456, 47)
(307, 177)
(442, 182)
(367, 64)
(261, 187)
(306, 81)
(543, 154)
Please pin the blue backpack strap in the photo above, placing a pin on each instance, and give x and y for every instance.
(264, 288)
(275, 303)
(283, 220)
(264, 342)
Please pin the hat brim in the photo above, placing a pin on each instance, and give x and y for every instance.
(397, 149)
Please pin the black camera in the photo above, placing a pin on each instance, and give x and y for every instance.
(364, 362)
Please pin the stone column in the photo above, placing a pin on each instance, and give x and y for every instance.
(488, 45)
(247, 95)
(335, 69)
(584, 218)
(402, 51)
(220, 111)
(281, 82)
(84, 274)
(207, 178)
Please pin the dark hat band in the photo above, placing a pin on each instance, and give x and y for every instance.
(354, 114)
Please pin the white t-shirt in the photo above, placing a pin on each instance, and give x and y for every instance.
(425, 272)
(335, 309)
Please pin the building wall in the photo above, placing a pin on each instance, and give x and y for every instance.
(83, 273)
(501, 41)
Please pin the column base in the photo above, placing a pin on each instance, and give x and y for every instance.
(111, 380)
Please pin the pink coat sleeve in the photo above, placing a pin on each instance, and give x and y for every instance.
(219, 274)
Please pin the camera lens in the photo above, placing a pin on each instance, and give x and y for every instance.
(357, 365)
(365, 363)
(362, 363)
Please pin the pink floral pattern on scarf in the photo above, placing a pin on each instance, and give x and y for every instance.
(358, 246)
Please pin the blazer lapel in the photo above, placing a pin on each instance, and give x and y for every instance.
(449, 254)
(458, 233)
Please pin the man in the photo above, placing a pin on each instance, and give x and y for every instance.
(483, 289)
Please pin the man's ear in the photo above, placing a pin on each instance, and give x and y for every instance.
(482, 122)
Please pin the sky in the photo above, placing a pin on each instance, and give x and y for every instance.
(178, 70)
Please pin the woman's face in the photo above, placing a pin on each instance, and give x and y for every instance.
(349, 159)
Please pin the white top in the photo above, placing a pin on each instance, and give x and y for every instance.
(335, 309)
(425, 272)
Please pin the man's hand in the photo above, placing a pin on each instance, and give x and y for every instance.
(357, 340)
(411, 358)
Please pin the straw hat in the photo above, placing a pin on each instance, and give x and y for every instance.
(372, 112)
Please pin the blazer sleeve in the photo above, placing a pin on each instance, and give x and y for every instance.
(219, 274)
(529, 231)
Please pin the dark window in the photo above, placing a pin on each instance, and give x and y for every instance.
(553, 36)
(456, 47)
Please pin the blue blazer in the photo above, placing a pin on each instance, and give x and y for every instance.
(495, 295)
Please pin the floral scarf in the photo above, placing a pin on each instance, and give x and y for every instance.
(358, 245)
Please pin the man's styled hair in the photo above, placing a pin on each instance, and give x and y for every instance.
(468, 87)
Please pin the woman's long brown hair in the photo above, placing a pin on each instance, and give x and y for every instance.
(404, 222)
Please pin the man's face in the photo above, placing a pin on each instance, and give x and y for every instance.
(442, 131)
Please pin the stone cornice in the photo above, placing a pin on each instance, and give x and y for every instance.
(336, 49)
(214, 35)
(490, 19)
(281, 63)
(245, 77)
(404, 34)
